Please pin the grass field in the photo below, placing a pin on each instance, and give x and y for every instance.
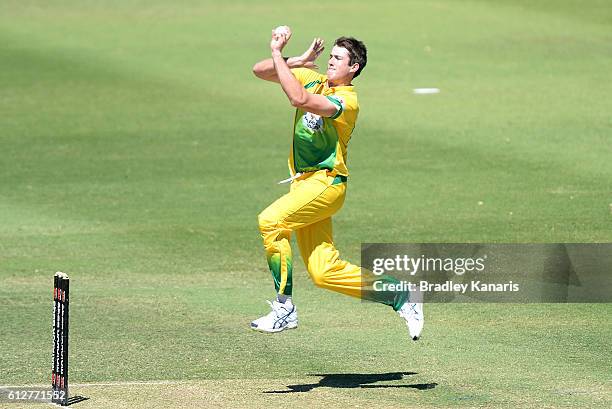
(137, 148)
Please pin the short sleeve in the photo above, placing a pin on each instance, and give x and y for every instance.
(347, 101)
(348, 109)
(339, 103)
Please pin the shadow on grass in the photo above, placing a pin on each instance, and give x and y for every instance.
(356, 380)
(76, 399)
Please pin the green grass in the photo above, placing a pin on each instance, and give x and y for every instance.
(137, 149)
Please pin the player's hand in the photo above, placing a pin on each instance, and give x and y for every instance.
(312, 53)
(278, 41)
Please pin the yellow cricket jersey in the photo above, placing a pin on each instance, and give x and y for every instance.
(319, 142)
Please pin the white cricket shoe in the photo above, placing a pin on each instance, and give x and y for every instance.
(282, 316)
(412, 312)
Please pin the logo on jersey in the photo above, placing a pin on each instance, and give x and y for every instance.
(312, 121)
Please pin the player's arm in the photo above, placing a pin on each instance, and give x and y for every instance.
(298, 96)
(265, 70)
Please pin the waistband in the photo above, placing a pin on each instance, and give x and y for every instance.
(337, 179)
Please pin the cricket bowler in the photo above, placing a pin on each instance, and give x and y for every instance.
(325, 116)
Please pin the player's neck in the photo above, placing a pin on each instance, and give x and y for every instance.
(339, 83)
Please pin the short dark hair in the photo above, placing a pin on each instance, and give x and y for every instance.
(357, 51)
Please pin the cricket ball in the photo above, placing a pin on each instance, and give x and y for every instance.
(283, 30)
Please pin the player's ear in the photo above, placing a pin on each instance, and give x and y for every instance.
(354, 68)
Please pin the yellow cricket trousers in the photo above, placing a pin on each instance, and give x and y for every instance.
(307, 210)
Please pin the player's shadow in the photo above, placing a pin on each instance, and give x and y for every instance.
(356, 380)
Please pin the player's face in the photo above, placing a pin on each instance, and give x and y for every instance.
(339, 65)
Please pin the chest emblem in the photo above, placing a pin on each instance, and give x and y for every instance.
(312, 121)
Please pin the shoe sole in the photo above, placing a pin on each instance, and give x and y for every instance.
(288, 326)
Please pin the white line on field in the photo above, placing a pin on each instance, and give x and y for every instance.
(128, 383)
(118, 383)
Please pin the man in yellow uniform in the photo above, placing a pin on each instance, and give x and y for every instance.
(326, 113)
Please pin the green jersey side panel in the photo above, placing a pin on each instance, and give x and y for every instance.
(314, 143)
